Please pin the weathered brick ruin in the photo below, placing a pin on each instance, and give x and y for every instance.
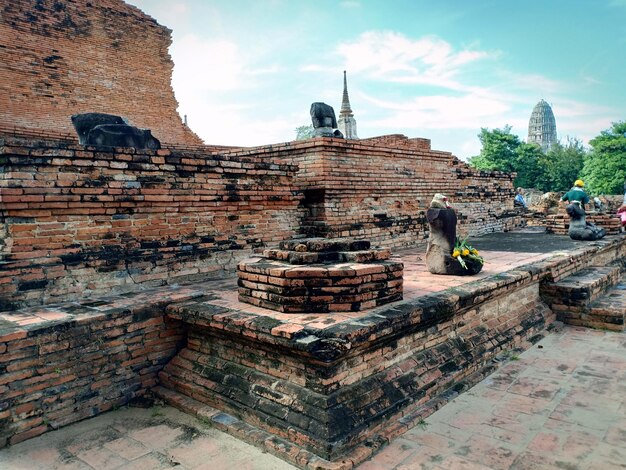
(84, 221)
(321, 275)
(63, 57)
(559, 223)
(330, 390)
(380, 188)
(95, 242)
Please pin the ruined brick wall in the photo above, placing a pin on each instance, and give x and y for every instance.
(67, 362)
(61, 366)
(559, 223)
(381, 192)
(62, 57)
(398, 141)
(80, 222)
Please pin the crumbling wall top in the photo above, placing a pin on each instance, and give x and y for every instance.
(62, 58)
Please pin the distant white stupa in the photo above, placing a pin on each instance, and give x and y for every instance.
(542, 126)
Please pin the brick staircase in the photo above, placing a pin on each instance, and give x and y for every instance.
(594, 297)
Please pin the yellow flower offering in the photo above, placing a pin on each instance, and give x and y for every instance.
(463, 252)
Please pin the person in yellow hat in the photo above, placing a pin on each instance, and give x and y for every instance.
(577, 193)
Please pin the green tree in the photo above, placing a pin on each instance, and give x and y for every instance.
(604, 169)
(498, 151)
(561, 165)
(555, 170)
(526, 164)
(504, 151)
(304, 132)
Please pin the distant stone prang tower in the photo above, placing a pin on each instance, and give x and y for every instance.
(542, 126)
(346, 122)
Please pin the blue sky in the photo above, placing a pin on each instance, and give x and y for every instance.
(246, 71)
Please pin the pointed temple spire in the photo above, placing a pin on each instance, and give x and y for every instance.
(346, 122)
(345, 103)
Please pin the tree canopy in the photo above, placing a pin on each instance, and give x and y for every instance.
(304, 132)
(604, 169)
(555, 170)
(498, 152)
(504, 151)
(561, 165)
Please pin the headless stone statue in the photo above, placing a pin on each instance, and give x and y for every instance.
(108, 130)
(324, 121)
(122, 135)
(83, 123)
(579, 228)
(442, 221)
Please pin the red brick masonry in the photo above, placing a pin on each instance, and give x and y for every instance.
(380, 188)
(81, 221)
(62, 364)
(70, 361)
(321, 275)
(578, 300)
(339, 389)
(559, 223)
(61, 57)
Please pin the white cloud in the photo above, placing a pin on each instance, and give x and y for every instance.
(568, 108)
(237, 125)
(206, 65)
(441, 112)
(208, 76)
(176, 14)
(267, 70)
(520, 84)
(392, 57)
(470, 147)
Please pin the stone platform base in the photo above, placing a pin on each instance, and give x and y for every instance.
(330, 395)
(334, 386)
(301, 457)
(338, 390)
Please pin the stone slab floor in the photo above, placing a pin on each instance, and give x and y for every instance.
(559, 405)
(138, 439)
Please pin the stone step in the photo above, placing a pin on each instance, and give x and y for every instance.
(577, 291)
(609, 311)
(593, 308)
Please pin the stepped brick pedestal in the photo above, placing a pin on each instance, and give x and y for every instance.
(321, 275)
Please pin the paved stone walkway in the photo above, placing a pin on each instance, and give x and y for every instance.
(559, 405)
(138, 439)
